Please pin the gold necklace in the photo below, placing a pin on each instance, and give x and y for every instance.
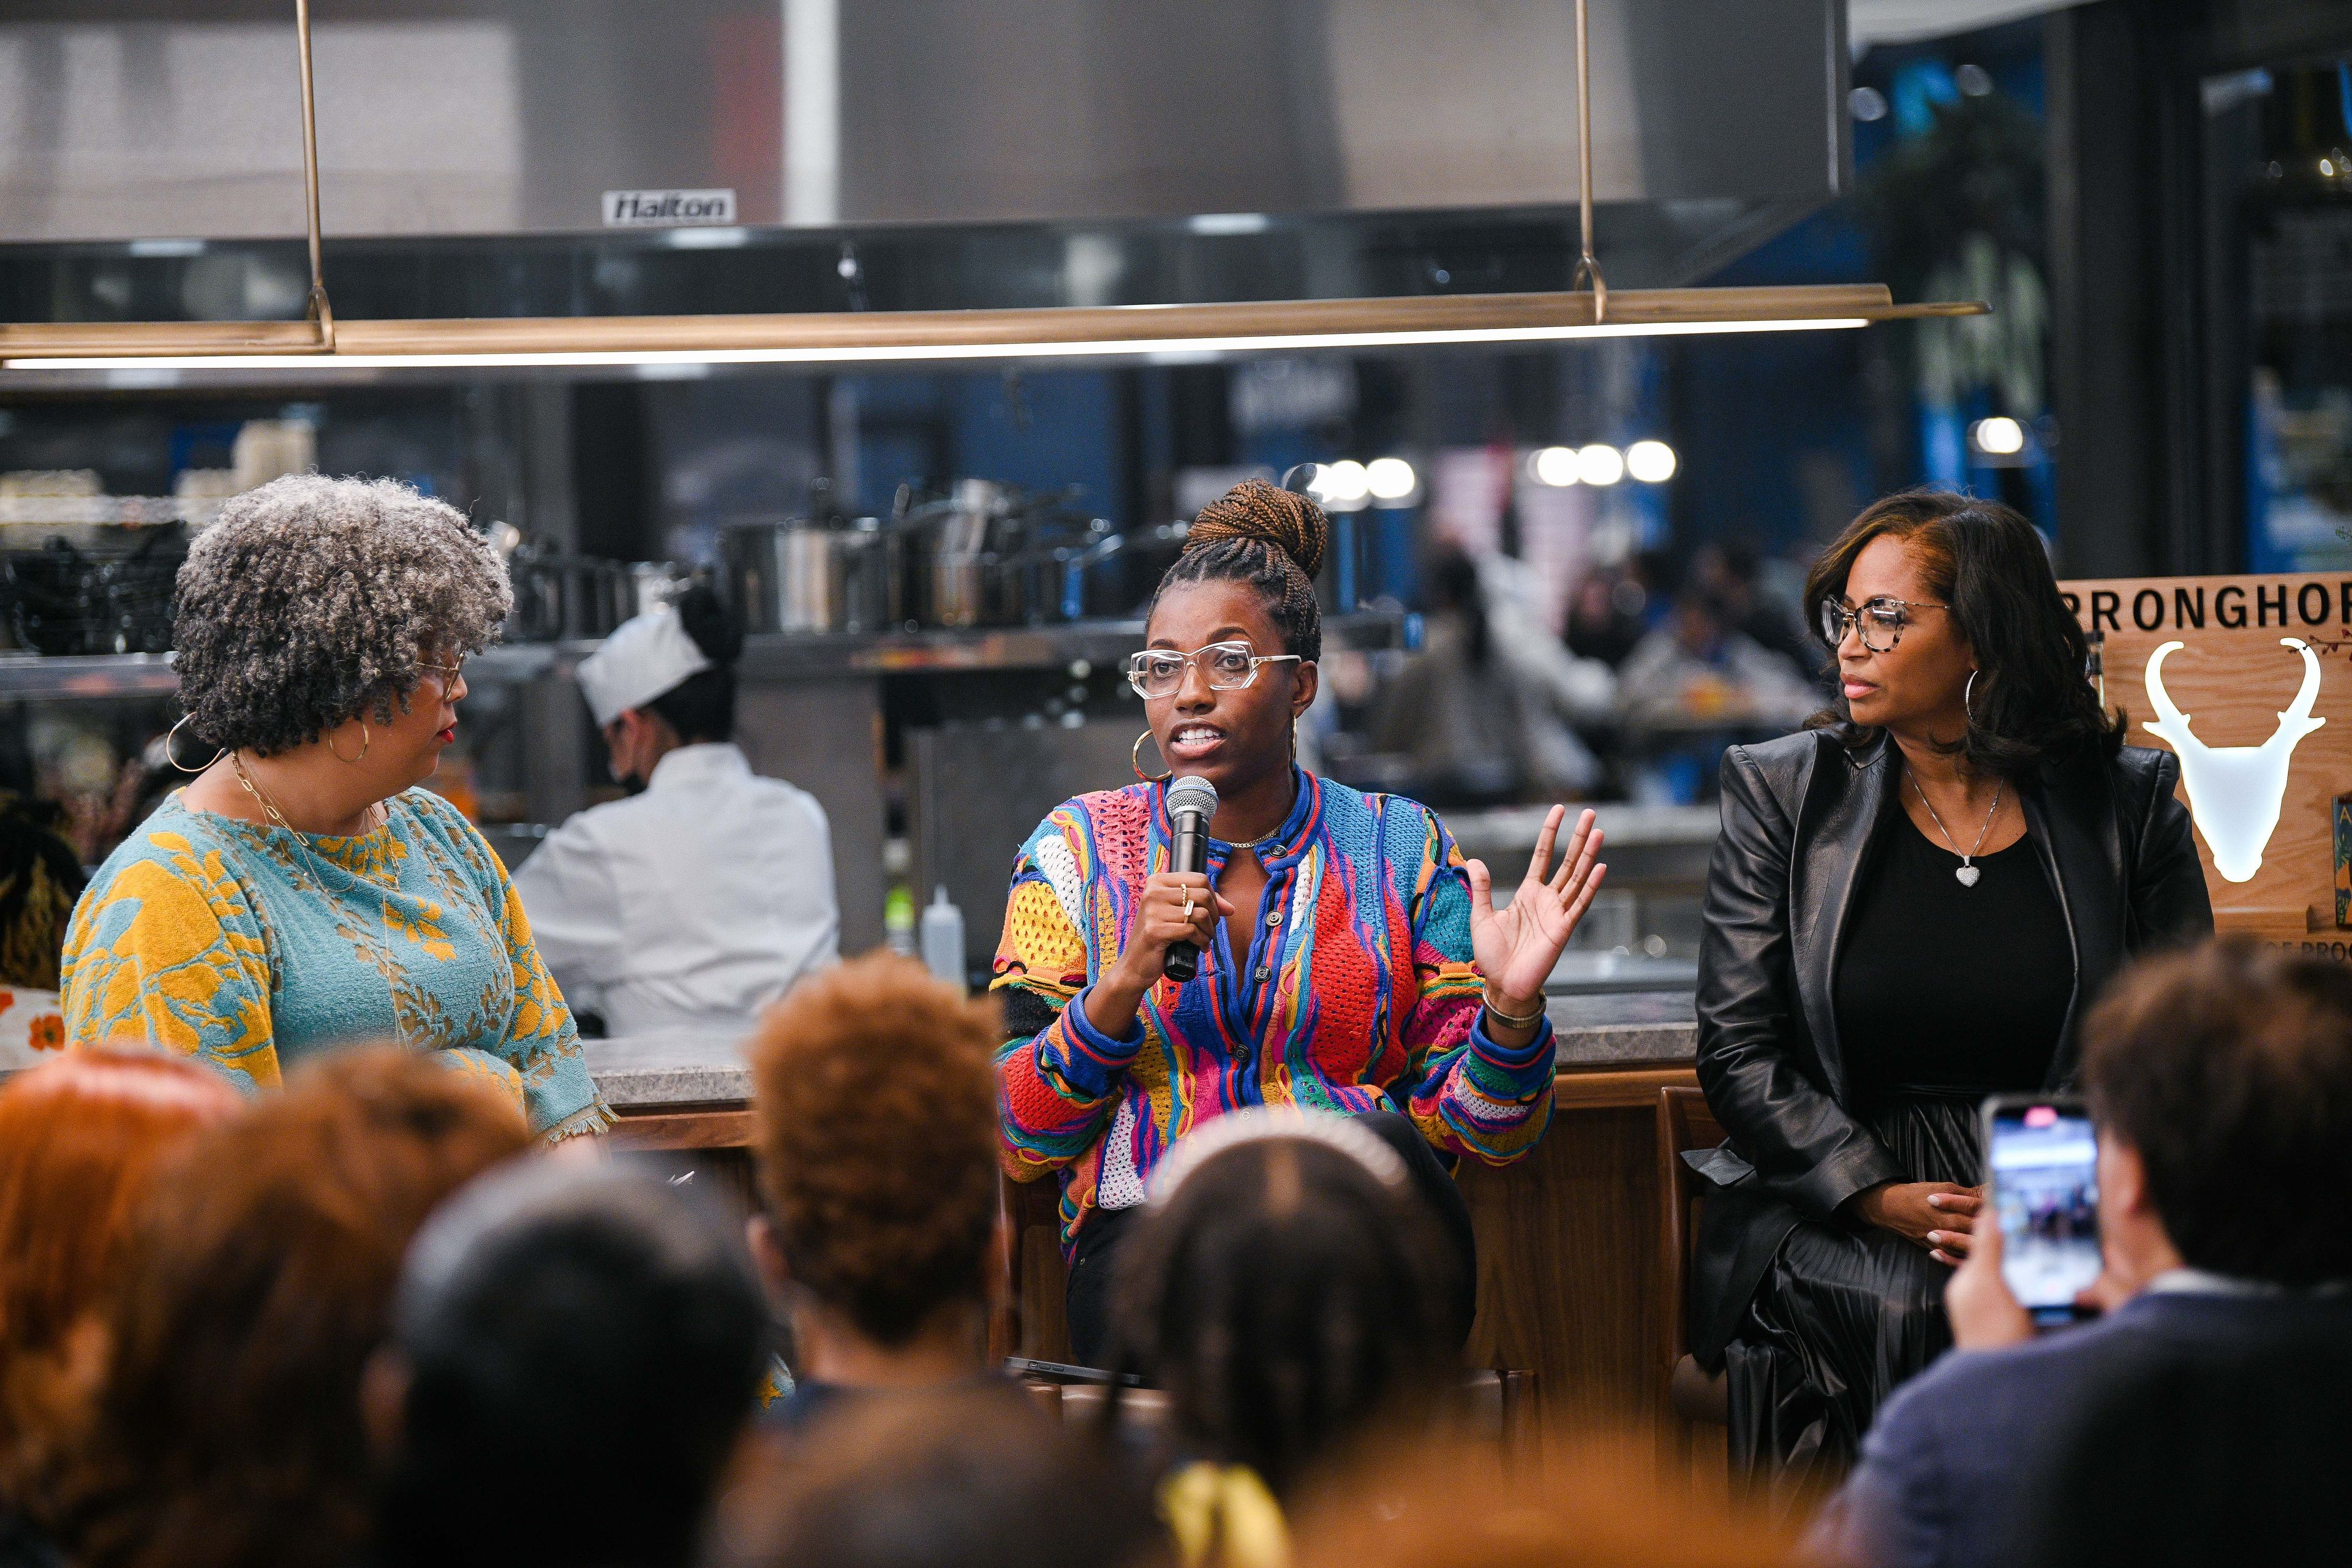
(277, 818)
(302, 840)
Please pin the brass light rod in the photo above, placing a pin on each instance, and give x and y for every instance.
(850, 336)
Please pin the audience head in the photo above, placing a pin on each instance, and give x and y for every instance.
(2221, 1081)
(874, 1108)
(81, 1139)
(596, 1329)
(1454, 589)
(1282, 1289)
(975, 1480)
(226, 1432)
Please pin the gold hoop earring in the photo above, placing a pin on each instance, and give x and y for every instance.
(1135, 756)
(169, 756)
(367, 739)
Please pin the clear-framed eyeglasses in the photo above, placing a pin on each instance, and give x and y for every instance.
(1226, 665)
(1881, 621)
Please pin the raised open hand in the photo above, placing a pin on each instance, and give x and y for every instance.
(1518, 945)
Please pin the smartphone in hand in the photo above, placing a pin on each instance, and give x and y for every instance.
(2041, 1166)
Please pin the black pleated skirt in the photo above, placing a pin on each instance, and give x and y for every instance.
(1844, 1313)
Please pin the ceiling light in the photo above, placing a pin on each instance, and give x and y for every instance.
(1389, 479)
(1555, 466)
(881, 336)
(1651, 462)
(1599, 464)
(1221, 224)
(1998, 436)
(1343, 484)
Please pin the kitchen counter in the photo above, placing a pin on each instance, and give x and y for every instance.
(651, 1074)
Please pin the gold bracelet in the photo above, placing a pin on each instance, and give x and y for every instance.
(1505, 1019)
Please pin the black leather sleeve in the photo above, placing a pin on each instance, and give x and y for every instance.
(2169, 903)
(1803, 1145)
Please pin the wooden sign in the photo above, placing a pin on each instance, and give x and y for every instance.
(2249, 680)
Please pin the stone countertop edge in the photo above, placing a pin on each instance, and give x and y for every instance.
(649, 1074)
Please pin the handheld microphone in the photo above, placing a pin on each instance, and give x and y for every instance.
(1192, 802)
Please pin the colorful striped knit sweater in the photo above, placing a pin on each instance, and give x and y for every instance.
(1358, 994)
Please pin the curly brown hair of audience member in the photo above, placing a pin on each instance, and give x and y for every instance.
(2228, 1066)
(227, 1430)
(874, 1108)
(81, 1139)
(1591, 1500)
(1286, 1299)
(976, 1478)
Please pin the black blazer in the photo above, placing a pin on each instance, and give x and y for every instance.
(1798, 813)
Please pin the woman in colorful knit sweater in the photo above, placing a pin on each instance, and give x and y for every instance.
(1350, 960)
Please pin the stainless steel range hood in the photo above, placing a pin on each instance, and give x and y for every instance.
(895, 154)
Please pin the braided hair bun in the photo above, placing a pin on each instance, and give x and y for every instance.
(1273, 540)
(1255, 510)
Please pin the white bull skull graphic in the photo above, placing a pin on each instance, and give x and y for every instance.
(2235, 792)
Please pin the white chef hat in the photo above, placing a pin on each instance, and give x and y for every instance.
(646, 657)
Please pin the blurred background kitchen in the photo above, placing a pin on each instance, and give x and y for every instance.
(1559, 570)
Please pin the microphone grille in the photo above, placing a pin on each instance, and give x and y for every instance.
(1190, 793)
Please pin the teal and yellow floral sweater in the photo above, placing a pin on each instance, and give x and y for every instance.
(249, 947)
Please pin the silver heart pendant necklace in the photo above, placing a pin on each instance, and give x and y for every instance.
(1967, 873)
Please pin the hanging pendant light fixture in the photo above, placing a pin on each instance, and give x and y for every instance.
(1587, 309)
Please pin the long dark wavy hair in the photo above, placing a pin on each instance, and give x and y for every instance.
(2033, 699)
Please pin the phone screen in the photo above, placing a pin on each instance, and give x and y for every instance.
(2045, 1184)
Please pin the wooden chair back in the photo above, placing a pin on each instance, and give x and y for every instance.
(1684, 1123)
(1025, 1315)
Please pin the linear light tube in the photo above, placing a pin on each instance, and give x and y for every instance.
(929, 351)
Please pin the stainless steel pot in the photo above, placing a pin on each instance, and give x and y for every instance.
(953, 542)
(558, 597)
(800, 577)
(651, 583)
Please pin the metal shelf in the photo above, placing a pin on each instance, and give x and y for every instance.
(29, 675)
(767, 658)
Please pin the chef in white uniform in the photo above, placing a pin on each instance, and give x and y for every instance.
(700, 899)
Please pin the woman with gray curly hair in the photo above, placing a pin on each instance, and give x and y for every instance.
(302, 892)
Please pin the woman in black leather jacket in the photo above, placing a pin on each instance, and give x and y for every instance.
(1911, 905)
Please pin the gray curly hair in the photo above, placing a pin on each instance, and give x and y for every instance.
(311, 601)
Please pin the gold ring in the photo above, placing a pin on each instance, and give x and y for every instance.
(1188, 903)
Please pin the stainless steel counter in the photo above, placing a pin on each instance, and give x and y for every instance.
(649, 1073)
